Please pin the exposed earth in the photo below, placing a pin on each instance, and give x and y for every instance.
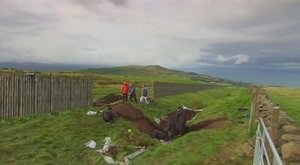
(107, 100)
(134, 115)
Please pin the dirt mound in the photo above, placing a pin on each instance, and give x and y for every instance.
(107, 100)
(128, 112)
(208, 124)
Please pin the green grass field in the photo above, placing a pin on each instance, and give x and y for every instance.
(288, 99)
(60, 138)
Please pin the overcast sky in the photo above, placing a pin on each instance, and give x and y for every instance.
(172, 33)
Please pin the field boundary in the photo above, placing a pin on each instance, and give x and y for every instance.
(30, 94)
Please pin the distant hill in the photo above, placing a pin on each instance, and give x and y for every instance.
(43, 66)
(150, 70)
(156, 71)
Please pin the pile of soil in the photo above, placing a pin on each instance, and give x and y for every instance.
(208, 124)
(107, 100)
(132, 114)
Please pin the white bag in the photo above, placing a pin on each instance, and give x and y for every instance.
(91, 144)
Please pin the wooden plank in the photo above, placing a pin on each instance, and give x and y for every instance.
(9, 108)
(13, 111)
(35, 95)
(5, 97)
(50, 94)
(1, 96)
(31, 91)
(40, 96)
(16, 102)
(26, 97)
(71, 93)
(23, 95)
(54, 95)
(20, 83)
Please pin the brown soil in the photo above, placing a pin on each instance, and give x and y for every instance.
(128, 112)
(107, 100)
(132, 114)
(208, 124)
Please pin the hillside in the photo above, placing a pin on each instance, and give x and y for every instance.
(158, 71)
(31, 66)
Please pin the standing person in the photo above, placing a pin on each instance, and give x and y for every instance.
(132, 93)
(124, 91)
(145, 95)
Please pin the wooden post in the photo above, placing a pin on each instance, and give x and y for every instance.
(51, 92)
(1, 96)
(252, 115)
(274, 124)
(20, 91)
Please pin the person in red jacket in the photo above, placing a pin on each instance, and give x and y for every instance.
(124, 91)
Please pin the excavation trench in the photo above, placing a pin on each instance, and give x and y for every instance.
(142, 123)
(106, 100)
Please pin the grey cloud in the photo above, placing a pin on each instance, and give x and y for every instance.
(95, 5)
(16, 21)
(264, 13)
(261, 53)
(9, 53)
(192, 32)
(119, 2)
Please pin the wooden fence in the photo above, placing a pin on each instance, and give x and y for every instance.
(23, 95)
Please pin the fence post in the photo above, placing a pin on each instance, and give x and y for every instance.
(274, 125)
(252, 110)
(1, 95)
(20, 96)
(51, 93)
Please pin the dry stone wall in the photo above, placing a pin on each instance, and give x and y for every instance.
(281, 127)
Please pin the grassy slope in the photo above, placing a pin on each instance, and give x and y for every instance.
(196, 147)
(59, 139)
(157, 73)
(288, 100)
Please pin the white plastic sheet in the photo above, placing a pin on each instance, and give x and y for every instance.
(91, 144)
(107, 143)
(90, 113)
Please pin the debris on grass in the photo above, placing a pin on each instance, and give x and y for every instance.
(90, 113)
(90, 144)
(107, 144)
(157, 120)
(127, 158)
(135, 154)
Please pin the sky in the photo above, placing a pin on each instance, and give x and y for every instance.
(237, 39)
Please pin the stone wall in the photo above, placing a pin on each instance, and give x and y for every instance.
(281, 127)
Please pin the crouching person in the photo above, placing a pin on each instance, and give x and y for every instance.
(181, 121)
(159, 134)
(172, 127)
(108, 115)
